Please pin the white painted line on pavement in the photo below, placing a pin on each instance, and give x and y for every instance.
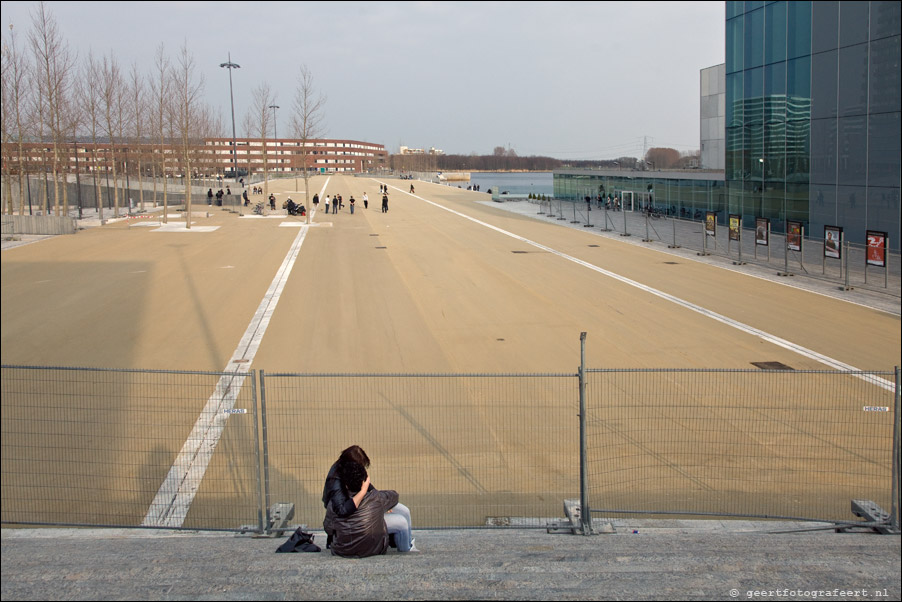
(173, 500)
(809, 353)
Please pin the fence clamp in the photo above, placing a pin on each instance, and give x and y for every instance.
(573, 523)
(875, 518)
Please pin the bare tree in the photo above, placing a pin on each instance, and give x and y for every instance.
(53, 68)
(124, 118)
(307, 122)
(209, 125)
(39, 117)
(110, 92)
(160, 86)
(187, 90)
(662, 158)
(260, 118)
(89, 82)
(248, 125)
(14, 105)
(137, 93)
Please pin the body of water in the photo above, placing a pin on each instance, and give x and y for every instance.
(512, 183)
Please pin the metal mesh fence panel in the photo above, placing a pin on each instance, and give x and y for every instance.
(129, 448)
(744, 443)
(461, 450)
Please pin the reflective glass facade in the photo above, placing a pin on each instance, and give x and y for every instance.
(687, 195)
(813, 114)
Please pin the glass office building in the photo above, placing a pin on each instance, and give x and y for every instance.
(812, 123)
(813, 114)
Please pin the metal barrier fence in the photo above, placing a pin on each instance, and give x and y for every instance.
(746, 443)
(129, 448)
(462, 450)
(199, 450)
(852, 270)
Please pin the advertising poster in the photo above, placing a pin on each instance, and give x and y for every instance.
(794, 236)
(735, 227)
(876, 248)
(711, 223)
(762, 228)
(832, 238)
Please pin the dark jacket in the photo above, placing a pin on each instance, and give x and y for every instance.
(335, 496)
(363, 533)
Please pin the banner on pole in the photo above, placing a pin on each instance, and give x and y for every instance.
(735, 227)
(876, 254)
(762, 231)
(832, 238)
(794, 236)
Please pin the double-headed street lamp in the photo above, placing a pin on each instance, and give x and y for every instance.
(230, 65)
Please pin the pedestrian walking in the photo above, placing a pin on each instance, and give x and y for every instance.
(385, 202)
(366, 201)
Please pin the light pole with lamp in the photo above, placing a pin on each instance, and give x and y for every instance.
(275, 124)
(275, 121)
(230, 65)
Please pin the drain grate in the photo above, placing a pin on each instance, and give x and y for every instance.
(381, 247)
(772, 366)
(520, 252)
(671, 263)
(594, 246)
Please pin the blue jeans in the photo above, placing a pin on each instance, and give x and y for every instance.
(397, 521)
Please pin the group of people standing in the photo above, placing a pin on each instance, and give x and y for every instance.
(336, 202)
(219, 194)
(361, 520)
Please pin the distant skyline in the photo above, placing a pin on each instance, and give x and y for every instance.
(586, 80)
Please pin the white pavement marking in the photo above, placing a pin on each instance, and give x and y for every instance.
(173, 500)
(809, 353)
(180, 227)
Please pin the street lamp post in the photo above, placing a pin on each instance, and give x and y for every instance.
(230, 65)
(275, 121)
(275, 125)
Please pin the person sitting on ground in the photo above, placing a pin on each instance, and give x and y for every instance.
(341, 503)
(335, 494)
(365, 532)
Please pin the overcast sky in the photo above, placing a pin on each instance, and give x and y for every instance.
(580, 80)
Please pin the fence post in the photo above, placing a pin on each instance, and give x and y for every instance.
(263, 420)
(585, 513)
(897, 449)
(260, 524)
(674, 245)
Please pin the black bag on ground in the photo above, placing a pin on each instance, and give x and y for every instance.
(299, 542)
